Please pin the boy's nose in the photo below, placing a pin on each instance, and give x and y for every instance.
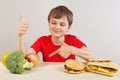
(57, 26)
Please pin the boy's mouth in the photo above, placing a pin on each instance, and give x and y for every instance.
(56, 31)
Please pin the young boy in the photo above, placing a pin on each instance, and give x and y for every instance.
(58, 46)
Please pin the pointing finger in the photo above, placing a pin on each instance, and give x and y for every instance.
(56, 52)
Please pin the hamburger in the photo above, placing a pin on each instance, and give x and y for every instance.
(73, 67)
(105, 67)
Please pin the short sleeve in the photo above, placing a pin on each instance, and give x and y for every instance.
(78, 43)
(37, 45)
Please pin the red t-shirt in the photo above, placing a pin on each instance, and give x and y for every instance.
(44, 44)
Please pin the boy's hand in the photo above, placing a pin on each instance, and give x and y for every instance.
(64, 51)
(23, 26)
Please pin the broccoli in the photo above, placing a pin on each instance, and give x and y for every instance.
(16, 62)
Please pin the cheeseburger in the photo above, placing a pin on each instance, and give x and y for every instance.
(73, 67)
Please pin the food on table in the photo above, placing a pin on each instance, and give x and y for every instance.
(73, 67)
(4, 56)
(106, 67)
(16, 62)
(34, 58)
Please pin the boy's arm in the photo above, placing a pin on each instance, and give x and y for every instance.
(65, 50)
(30, 54)
(20, 43)
(21, 31)
(83, 52)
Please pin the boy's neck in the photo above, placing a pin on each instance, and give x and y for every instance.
(57, 40)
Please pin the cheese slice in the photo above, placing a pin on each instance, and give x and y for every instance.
(106, 68)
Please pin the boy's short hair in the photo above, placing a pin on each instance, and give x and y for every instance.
(59, 12)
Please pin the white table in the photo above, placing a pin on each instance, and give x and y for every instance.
(52, 71)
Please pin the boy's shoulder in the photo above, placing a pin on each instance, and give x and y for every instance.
(70, 35)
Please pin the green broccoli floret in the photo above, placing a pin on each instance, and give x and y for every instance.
(17, 63)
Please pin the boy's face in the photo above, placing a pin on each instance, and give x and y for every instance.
(58, 27)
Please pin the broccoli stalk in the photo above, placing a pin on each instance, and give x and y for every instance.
(16, 62)
(28, 65)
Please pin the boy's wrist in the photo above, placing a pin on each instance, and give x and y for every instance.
(19, 35)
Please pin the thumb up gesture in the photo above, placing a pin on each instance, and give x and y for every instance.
(23, 26)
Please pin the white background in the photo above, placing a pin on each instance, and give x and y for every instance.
(96, 22)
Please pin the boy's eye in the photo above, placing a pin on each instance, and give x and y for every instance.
(53, 22)
(62, 24)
